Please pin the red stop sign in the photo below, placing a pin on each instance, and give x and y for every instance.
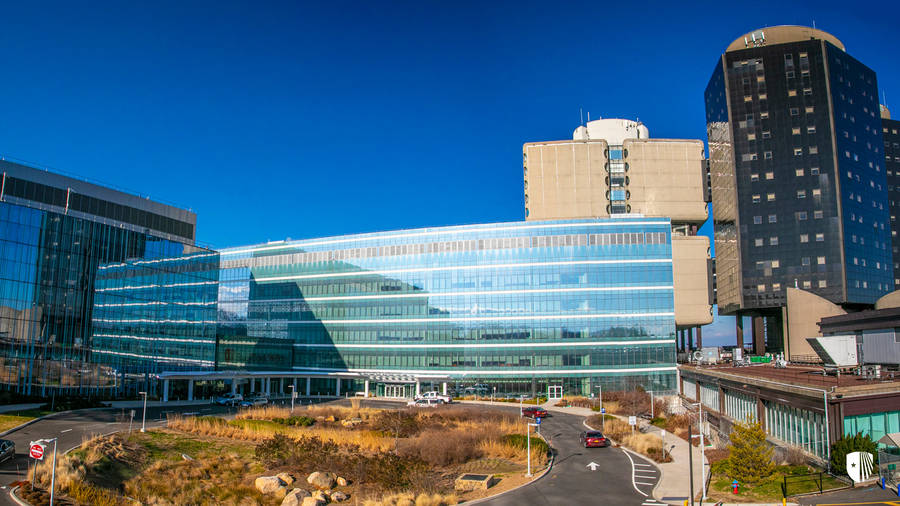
(36, 451)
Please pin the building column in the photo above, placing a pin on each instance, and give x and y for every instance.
(759, 335)
(418, 389)
(165, 390)
(690, 339)
(739, 330)
(338, 389)
(699, 337)
(294, 391)
(367, 389)
(308, 387)
(190, 390)
(252, 381)
(444, 388)
(234, 382)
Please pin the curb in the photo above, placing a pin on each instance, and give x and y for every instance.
(15, 497)
(534, 480)
(636, 454)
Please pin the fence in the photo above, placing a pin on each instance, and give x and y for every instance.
(889, 466)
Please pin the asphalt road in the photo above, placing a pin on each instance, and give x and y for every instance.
(72, 427)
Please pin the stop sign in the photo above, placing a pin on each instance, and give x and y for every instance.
(37, 451)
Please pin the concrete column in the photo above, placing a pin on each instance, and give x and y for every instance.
(690, 339)
(234, 382)
(165, 390)
(268, 386)
(190, 390)
(295, 384)
(699, 338)
(418, 389)
(252, 381)
(367, 389)
(308, 387)
(739, 330)
(445, 388)
(338, 389)
(759, 335)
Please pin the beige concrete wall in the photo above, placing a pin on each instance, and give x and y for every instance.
(565, 179)
(888, 301)
(568, 179)
(801, 317)
(666, 178)
(691, 280)
(783, 34)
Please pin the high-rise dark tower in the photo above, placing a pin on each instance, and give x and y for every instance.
(890, 129)
(800, 194)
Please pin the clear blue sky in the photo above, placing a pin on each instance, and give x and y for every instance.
(287, 119)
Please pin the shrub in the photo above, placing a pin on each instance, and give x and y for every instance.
(856, 443)
(297, 421)
(397, 423)
(442, 448)
(750, 458)
(519, 441)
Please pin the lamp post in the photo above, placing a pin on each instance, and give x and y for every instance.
(53, 473)
(493, 394)
(528, 445)
(702, 452)
(144, 416)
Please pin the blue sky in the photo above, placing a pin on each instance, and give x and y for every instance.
(286, 119)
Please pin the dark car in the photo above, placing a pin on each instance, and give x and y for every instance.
(534, 412)
(7, 449)
(594, 439)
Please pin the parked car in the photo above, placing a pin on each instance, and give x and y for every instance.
(534, 412)
(424, 403)
(446, 399)
(229, 399)
(594, 439)
(7, 449)
(254, 401)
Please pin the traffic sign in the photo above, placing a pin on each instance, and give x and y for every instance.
(602, 411)
(632, 420)
(662, 433)
(537, 420)
(36, 451)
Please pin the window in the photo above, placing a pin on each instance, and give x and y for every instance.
(792, 93)
(754, 178)
(807, 91)
(814, 150)
(770, 197)
(820, 237)
(770, 175)
(801, 215)
(773, 218)
(795, 131)
(817, 192)
(804, 237)
(807, 284)
(760, 288)
(789, 74)
(748, 98)
(820, 260)
(818, 215)
(746, 157)
(775, 264)
(767, 155)
(801, 194)
(763, 96)
(773, 241)
(776, 287)
(798, 172)
(795, 111)
(756, 199)
(798, 151)
(804, 261)
(758, 242)
(766, 134)
(810, 109)
(751, 137)
(764, 115)
(811, 129)
(823, 283)
(757, 220)
(813, 171)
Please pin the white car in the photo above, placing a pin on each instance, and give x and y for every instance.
(229, 399)
(446, 399)
(424, 403)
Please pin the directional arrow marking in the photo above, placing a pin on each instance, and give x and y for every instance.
(593, 466)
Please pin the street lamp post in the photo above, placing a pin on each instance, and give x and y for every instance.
(144, 415)
(493, 394)
(53, 473)
(528, 445)
(702, 452)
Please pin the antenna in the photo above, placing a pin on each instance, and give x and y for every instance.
(814, 24)
(581, 113)
(589, 116)
(884, 98)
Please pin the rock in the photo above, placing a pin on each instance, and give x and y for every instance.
(285, 478)
(320, 495)
(295, 497)
(269, 484)
(311, 501)
(329, 418)
(339, 497)
(322, 481)
(342, 482)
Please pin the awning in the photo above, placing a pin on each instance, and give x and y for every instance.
(891, 439)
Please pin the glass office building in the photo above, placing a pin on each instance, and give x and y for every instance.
(523, 307)
(55, 234)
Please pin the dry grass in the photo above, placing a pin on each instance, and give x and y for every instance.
(645, 444)
(409, 499)
(492, 448)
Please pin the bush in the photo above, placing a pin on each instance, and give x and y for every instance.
(397, 423)
(519, 441)
(296, 421)
(440, 448)
(750, 458)
(856, 443)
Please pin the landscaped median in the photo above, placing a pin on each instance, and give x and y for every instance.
(649, 445)
(374, 457)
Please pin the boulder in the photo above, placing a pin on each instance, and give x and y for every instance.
(295, 497)
(322, 481)
(311, 501)
(341, 482)
(320, 495)
(339, 497)
(285, 478)
(269, 484)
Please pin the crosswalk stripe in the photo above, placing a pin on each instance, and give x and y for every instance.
(642, 483)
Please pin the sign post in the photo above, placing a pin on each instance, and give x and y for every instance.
(603, 419)
(632, 420)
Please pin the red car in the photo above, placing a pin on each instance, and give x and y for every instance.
(534, 412)
(594, 439)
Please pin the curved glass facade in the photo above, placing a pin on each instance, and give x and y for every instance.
(519, 306)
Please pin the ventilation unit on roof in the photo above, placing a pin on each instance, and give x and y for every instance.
(835, 351)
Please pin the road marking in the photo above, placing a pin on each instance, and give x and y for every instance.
(633, 483)
(643, 465)
(64, 431)
(642, 483)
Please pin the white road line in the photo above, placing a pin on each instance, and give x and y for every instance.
(633, 483)
(642, 483)
(643, 465)
(62, 431)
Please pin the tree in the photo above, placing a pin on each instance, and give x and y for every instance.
(857, 443)
(750, 458)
